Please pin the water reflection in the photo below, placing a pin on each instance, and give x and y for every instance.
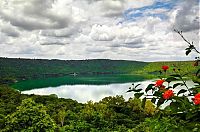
(84, 93)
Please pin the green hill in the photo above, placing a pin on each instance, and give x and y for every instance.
(39, 73)
(16, 69)
(23, 69)
(151, 70)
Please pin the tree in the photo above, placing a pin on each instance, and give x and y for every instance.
(29, 116)
(61, 116)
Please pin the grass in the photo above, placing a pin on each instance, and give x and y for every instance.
(181, 67)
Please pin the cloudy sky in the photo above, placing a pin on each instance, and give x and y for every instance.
(94, 29)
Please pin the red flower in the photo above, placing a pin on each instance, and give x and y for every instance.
(159, 83)
(165, 68)
(196, 99)
(168, 94)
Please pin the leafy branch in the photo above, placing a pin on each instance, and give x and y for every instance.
(190, 44)
(160, 93)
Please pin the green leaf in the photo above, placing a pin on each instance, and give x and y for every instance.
(160, 102)
(129, 90)
(191, 115)
(169, 87)
(197, 72)
(137, 85)
(191, 47)
(143, 102)
(177, 84)
(186, 102)
(149, 87)
(157, 93)
(153, 100)
(181, 91)
(187, 52)
(134, 90)
(174, 106)
(138, 95)
(198, 89)
(176, 75)
(196, 81)
(169, 79)
(185, 74)
(176, 98)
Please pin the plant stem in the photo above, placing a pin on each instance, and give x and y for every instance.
(184, 82)
(191, 44)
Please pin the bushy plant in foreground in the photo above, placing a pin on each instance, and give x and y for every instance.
(29, 117)
(184, 102)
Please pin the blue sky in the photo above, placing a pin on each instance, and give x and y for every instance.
(132, 14)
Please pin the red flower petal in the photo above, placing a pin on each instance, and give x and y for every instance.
(168, 94)
(196, 99)
(159, 83)
(165, 68)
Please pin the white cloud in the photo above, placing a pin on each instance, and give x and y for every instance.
(187, 17)
(112, 7)
(86, 29)
(35, 14)
(139, 3)
(101, 33)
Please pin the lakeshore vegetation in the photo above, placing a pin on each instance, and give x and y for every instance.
(21, 112)
(19, 73)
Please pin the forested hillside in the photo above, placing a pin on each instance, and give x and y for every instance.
(183, 66)
(19, 69)
(16, 69)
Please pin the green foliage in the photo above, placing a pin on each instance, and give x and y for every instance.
(136, 104)
(21, 69)
(61, 117)
(149, 108)
(29, 117)
(110, 114)
(183, 111)
(153, 69)
(164, 124)
(77, 126)
(118, 100)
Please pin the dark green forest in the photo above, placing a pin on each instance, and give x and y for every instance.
(112, 71)
(23, 69)
(20, 112)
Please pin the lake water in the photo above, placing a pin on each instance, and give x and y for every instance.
(84, 93)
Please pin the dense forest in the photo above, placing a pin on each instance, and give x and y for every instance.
(16, 69)
(20, 112)
(23, 69)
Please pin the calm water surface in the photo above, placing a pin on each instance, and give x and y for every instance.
(84, 93)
